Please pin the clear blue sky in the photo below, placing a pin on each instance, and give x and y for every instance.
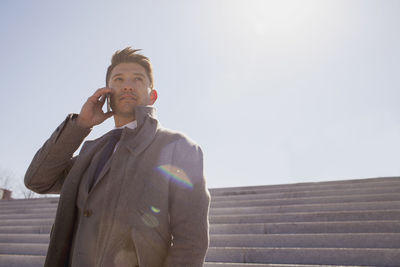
(274, 91)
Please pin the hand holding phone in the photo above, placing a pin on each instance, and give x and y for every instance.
(92, 111)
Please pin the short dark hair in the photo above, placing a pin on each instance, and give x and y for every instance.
(129, 55)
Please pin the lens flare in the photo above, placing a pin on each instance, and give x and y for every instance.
(149, 220)
(176, 174)
(155, 210)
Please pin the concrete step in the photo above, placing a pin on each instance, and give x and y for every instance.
(274, 205)
(233, 191)
(308, 217)
(346, 223)
(21, 261)
(306, 200)
(316, 256)
(27, 207)
(25, 238)
(38, 261)
(23, 249)
(43, 215)
(29, 201)
(381, 205)
(338, 185)
(265, 240)
(258, 218)
(26, 222)
(246, 210)
(312, 193)
(222, 264)
(307, 227)
(270, 207)
(307, 240)
(26, 210)
(38, 229)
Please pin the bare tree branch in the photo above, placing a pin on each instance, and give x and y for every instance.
(5, 179)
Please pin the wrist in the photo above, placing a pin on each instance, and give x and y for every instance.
(81, 123)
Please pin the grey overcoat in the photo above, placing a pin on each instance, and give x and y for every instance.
(157, 189)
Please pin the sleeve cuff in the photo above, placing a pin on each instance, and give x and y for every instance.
(70, 132)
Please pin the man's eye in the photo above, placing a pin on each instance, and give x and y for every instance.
(138, 79)
(118, 79)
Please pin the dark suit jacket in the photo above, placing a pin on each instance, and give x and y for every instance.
(157, 189)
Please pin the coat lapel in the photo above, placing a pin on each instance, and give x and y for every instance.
(101, 175)
(88, 151)
(96, 147)
(60, 240)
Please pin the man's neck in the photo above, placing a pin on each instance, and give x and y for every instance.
(121, 121)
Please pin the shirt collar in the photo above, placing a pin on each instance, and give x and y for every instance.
(130, 125)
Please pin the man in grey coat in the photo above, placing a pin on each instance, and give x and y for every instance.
(146, 204)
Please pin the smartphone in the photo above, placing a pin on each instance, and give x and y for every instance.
(108, 102)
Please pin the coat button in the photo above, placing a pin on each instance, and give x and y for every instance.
(87, 213)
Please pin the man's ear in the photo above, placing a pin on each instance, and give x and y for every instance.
(153, 96)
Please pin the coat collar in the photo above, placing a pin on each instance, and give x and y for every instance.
(141, 112)
(140, 137)
(136, 140)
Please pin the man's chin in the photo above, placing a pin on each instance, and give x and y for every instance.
(125, 112)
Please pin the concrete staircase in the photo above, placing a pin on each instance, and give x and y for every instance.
(338, 223)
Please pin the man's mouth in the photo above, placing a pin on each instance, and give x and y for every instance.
(127, 97)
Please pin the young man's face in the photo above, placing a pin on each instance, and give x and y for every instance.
(131, 88)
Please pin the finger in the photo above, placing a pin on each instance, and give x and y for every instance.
(109, 114)
(105, 116)
(101, 92)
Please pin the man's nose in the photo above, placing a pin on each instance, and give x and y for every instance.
(129, 86)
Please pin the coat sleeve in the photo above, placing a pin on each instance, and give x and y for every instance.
(189, 202)
(51, 164)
